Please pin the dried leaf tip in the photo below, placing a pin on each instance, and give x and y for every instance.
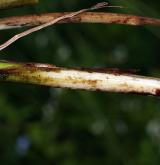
(103, 5)
(99, 5)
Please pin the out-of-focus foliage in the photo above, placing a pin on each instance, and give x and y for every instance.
(42, 125)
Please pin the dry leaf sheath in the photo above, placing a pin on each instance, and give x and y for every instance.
(86, 17)
(88, 79)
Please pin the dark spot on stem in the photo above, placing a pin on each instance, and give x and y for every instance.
(4, 73)
(158, 92)
(75, 19)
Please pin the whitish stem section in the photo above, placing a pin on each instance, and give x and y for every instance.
(88, 79)
(101, 81)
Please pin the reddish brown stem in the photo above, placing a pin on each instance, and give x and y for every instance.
(87, 17)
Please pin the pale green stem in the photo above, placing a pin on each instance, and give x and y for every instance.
(5, 4)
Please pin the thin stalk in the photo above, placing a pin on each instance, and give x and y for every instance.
(87, 17)
(107, 80)
(52, 22)
(5, 4)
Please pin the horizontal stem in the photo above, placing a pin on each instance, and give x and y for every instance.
(88, 79)
(87, 17)
(4, 4)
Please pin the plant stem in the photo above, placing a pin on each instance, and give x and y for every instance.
(5, 4)
(87, 17)
(52, 22)
(88, 79)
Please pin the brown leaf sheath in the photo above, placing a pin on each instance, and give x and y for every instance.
(87, 17)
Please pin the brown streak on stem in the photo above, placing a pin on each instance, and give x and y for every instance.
(114, 71)
(50, 68)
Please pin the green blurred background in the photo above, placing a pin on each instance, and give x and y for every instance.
(43, 125)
